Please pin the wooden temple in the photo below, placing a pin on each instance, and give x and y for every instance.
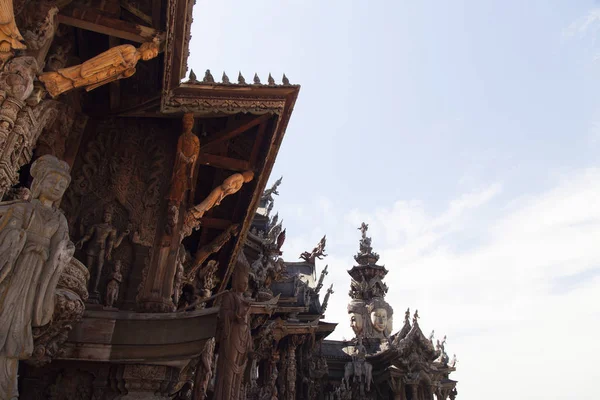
(140, 257)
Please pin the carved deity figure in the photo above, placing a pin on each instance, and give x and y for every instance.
(188, 147)
(229, 186)
(116, 63)
(34, 248)
(112, 287)
(204, 370)
(103, 239)
(317, 252)
(235, 341)
(10, 37)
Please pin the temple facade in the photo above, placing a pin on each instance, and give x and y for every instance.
(140, 255)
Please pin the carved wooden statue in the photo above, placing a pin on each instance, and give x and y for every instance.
(229, 186)
(204, 370)
(103, 239)
(205, 251)
(188, 147)
(34, 248)
(179, 274)
(10, 37)
(235, 341)
(112, 287)
(116, 63)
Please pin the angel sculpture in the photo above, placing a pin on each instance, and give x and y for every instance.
(116, 63)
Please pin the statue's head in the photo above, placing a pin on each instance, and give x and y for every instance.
(50, 178)
(118, 266)
(356, 309)
(149, 50)
(188, 122)
(108, 215)
(248, 176)
(381, 316)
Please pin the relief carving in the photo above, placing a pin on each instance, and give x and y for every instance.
(34, 249)
(116, 63)
(112, 287)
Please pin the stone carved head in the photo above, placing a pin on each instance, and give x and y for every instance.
(50, 178)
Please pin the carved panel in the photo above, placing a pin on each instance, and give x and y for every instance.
(125, 163)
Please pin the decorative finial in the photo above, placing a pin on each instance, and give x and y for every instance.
(193, 77)
(431, 336)
(271, 80)
(208, 78)
(453, 361)
(256, 79)
(241, 79)
(317, 252)
(285, 80)
(407, 317)
(326, 298)
(366, 255)
(225, 78)
(416, 318)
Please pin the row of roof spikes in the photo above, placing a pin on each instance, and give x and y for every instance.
(208, 78)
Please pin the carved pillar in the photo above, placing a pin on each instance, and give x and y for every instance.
(156, 292)
(291, 372)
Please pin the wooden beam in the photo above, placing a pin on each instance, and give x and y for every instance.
(136, 11)
(233, 132)
(232, 164)
(257, 143)
(94, 21)
(215, 223)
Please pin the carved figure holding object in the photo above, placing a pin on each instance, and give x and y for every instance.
(112, 287)
(103, 239)
(34, 248)
(116, 63)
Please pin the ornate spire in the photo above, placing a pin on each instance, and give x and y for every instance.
(225, 78)
(256, 79)
(208, 78)
(270, 80)
(285, 80)
(192, 77)
(365, 254)
(241, 79)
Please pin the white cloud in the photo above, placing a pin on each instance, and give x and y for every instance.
(514, 283)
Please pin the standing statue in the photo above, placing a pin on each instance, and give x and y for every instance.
(188, 148)
(112, 287)
(34, 248)
(103, 239)
(116, 63)
(10, 37)
(229, 186)
(204, 370)
(235, 341)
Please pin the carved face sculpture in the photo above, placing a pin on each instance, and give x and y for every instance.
(379, 318)
(149, 51)
(107, 217)
(356, 322)
(240, 282)
(188, 122)
(53, 186)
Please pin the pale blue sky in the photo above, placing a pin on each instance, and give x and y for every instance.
(467, 134)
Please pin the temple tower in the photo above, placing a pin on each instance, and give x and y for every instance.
(371, 317)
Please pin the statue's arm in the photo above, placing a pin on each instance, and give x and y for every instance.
(121, 237)
(86, 237)
(112, 237)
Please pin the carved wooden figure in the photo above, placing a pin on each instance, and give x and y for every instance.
(112, 287)
(34, 248)
(188, 147)
(229, 186)
(103, 239)
(116, 63)
(10, 37)
(235, 341)
(204, 370)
